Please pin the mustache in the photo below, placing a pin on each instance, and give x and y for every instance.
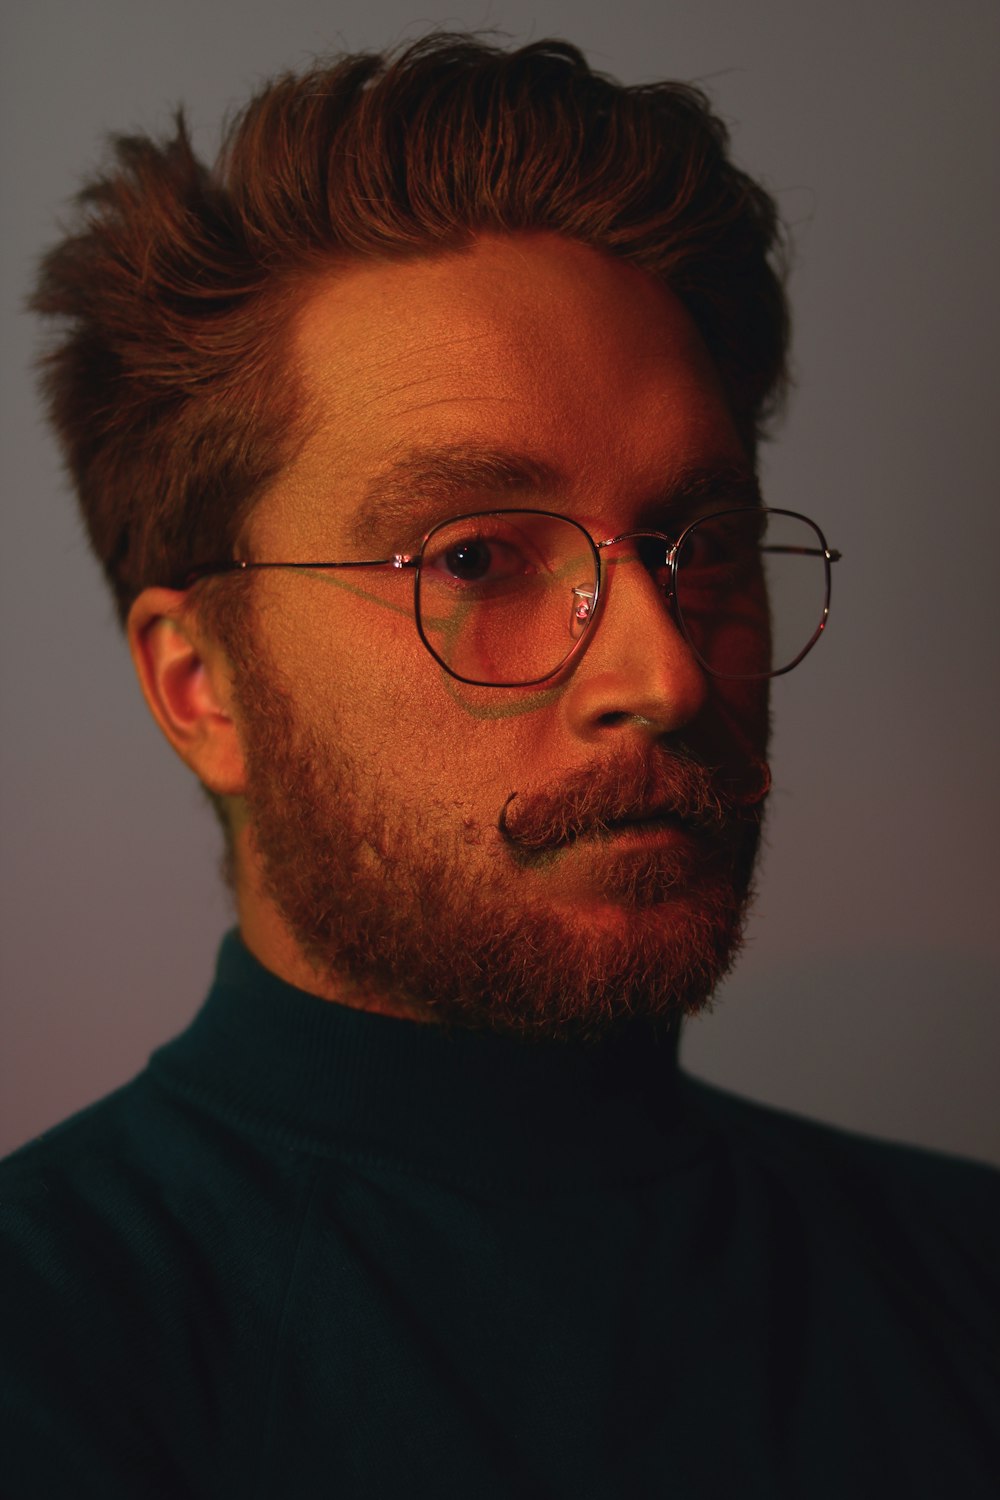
(671, 783)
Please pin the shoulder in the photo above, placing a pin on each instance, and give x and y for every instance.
(96, 1205)
(782, 1135)
(143, 1184)
(826, 1159)
(113, 1164)
(75, 1307)
(904, 1210)
(136, 1238)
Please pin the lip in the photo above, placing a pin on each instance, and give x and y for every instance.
(649, 831)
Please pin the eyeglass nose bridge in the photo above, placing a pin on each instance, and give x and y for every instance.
(635, 536)
(669, 555)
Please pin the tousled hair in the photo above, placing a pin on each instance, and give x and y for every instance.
(169, 382)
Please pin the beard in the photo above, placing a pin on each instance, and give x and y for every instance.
(383, 902)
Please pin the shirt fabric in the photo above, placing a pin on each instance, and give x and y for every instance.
(311, 1251)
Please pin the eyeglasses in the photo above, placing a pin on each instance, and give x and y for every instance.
(505, 598)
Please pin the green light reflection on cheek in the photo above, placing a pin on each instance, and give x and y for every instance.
(345, 584)
(503, 703)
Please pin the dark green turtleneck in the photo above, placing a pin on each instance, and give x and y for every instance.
(314, 1252)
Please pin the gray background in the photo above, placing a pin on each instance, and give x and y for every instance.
(867, 995)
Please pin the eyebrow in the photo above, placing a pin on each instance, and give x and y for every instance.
(706, 487)
(403, 500)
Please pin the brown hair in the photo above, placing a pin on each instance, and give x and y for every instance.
(169, 385)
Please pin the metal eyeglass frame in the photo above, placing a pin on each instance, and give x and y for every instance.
(587, 610)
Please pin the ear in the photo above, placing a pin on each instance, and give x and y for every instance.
(186, 682)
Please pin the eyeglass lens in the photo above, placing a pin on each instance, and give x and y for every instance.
(751, 590)
(503, 598)
(495, 598)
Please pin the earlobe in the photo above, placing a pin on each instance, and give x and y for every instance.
(186, 683)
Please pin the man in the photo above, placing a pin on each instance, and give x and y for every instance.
(418, 444)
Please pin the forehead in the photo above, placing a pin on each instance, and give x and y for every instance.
(582, 366)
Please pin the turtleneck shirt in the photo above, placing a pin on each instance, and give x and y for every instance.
(312, 1251)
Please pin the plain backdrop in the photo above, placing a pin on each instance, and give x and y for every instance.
(868, 991)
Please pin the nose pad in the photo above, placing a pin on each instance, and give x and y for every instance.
(581, 611)
(658, 562)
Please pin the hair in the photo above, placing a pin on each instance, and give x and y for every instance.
(169, 382)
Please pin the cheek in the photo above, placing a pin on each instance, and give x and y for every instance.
(367, 693)
(396, 722)
(366, 687)
(741, 716)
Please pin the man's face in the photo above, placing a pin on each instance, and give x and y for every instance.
(546, 859)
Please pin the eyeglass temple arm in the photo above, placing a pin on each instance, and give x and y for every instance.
(830, 553)
(212, 570)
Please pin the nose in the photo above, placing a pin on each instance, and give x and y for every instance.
(637, 670)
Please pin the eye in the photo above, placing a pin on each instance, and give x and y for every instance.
(479, 558)
(706, 546)
(721, 551)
